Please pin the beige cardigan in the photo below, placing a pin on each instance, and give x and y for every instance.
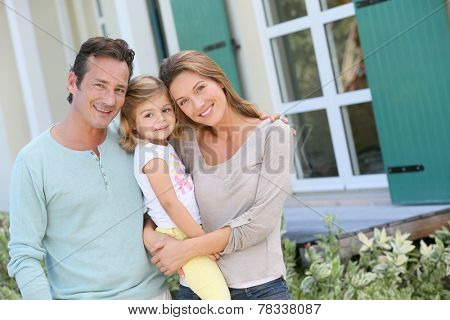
(247, 193)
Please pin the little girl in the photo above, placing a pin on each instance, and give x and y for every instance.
(147, 120)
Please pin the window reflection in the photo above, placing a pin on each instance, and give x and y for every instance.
(296, 65)
(328, 4)
(314, 154)
(346, 55)
(278, 11)
(362, 139)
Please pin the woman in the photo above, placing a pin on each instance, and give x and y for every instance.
(241, 171)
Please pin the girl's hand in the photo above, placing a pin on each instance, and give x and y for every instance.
(275, 117)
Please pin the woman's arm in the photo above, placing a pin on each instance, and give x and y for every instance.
(274, 185)
(171, 256)
(158, 175)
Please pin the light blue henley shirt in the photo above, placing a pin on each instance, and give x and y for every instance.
(84, 215)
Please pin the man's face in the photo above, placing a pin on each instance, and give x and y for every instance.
(101, 93)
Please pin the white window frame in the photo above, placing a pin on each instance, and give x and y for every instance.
(331, 101)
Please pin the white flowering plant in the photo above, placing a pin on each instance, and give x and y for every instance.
(386, 267)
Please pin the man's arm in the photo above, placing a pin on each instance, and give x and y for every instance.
(28, 217)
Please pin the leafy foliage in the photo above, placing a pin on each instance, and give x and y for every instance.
(173, 284)
(8, 286)
(293, 272)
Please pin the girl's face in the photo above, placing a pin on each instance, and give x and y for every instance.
(200, 98)
(155, 119)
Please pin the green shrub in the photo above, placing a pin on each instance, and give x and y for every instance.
(173, 284)
(387, 267)
(293, 271)
(8, 286)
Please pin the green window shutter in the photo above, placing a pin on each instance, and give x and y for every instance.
(406, 45)
(202, 25)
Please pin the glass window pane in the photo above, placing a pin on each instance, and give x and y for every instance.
(346, 55)
(314, 155)
(362, 138)
(328, 4)
(296, 66)
(278, 11)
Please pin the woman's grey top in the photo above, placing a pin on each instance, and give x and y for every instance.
(247, 193)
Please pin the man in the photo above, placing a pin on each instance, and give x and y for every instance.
(74, 200)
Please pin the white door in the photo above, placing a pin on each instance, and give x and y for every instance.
(312, 49)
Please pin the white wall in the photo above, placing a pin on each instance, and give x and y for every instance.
(14, 130)
(82, 21)
(50, 44)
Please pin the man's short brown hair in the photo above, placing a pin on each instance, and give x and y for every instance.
(101, 47)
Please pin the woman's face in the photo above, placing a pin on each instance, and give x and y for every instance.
(200, 98)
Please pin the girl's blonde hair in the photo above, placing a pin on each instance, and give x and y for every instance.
(141, 89)
(200, 63)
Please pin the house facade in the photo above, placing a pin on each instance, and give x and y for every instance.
(365, 83)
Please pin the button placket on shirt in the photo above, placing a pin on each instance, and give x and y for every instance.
(101, 168)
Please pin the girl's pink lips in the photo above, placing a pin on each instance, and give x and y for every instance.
(163, 128)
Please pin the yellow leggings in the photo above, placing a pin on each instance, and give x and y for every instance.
(201, 273)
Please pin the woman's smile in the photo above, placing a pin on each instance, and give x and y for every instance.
(207, 112)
